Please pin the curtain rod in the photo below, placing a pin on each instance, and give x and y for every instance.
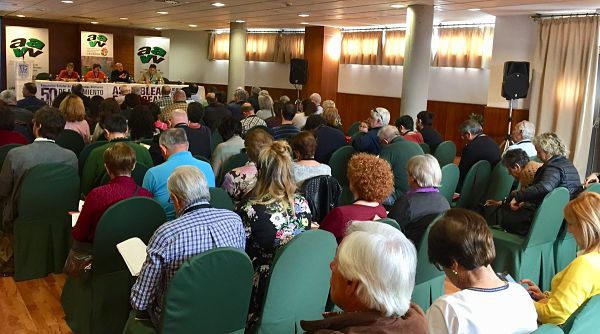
(543, 16)
(441, 25)
(263, 31)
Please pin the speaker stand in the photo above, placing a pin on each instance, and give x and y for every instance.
(297, 102)
(510, 114)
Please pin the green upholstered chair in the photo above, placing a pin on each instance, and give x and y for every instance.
(429, 281)
(391, 222)
(85, 153)
(548, 329)
(210, 293)
(4, 151)
(42, 228)
(450, 175)
(500, 183)
(532, 256)
(202, 158)
(339, 167)
(216, 139)
(474, 185)
(71, 140)
(354, 136)
(353, 128)
(138, 173)
(220, 199)
(425, 147)
(445, 153)
(594, 187)
(234, 161)
(585, 320)
(101, 304)
(299, 283)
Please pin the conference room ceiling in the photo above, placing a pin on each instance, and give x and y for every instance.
(202, 15)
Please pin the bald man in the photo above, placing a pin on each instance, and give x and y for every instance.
(119, 74)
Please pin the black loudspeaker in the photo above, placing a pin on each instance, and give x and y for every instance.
(298, 71)
(515, 82)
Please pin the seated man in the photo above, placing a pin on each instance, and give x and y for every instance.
(165, 98)
(48, 122)
(68, 74)
(372, 279)
(95, 75)
(521, 136)
(152, 76)
(239, 97)
(214, 112)
(174, 148)
(199, 138)
(119, 74)
(287, 128)
(368, 141)
(29, 100)
(197, 229)
(115, 130)
(179, 102)
(250, 119)
(479, 147)
(8, 135)
(23, 117)
(430, 135)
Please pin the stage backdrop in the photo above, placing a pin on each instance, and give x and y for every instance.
(24, 44)
(96, 48)
(151, 50)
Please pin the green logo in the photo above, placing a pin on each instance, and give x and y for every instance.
(154, 54)
(22, 46)
(97, 40)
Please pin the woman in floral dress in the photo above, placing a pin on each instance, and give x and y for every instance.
(272, 216)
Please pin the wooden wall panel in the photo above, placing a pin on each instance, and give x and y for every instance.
(354, 107)
(495, 121)
(449, 115)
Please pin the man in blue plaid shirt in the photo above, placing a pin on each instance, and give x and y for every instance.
(197, 229)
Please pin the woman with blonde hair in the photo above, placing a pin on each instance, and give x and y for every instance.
(272, 216)
(580, 280)
(73, 110)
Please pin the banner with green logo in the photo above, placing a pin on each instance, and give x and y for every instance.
(25, 45)
(151, 50)
(96, 48)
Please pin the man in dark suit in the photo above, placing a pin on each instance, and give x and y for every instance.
(215, 112)
(479, 147)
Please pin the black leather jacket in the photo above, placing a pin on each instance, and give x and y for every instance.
(556, 172)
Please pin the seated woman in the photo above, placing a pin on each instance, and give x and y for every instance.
(461, 245)
(141, 124)
(119, 160)
(406, 125)
(329, 133)
(230, 130)
(304, 145)
(106, 108)
(240, 181)
(308, 108)
(557, 171)
(372, 278)
(73, 110)
(371, 181)
(272, 215)
(423, 198)
(580, 280)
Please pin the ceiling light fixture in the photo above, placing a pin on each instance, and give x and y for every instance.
(474, 9)
(162, 13)
(157, 28)
(218, 4)
(20, 15)
(67, 1)
(240, 21)
(192, 25)
(304, 15)
(304, 23)
(397, 6)
(123, 18)
(94, 22)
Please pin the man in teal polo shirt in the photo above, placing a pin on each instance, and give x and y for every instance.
(174, 148)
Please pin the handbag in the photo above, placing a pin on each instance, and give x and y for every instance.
(79, 260)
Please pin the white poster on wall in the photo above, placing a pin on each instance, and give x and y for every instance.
(25, 44)
(151, 50)
(96, 48)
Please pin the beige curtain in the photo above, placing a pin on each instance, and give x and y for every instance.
(468, 47)
(261, 47)
(563, 82)
(361, 48)
(393, 49)
(290, 46)
(218, 47)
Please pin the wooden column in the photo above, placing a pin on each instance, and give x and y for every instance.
(321, 50)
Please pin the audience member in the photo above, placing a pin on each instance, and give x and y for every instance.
(93, 114)
(95, 75)
(178, 103)
(329, 137)
(119, 74)
(580, 280)
(328, 104)
(174, 147)
(239, 97)
(152, 76)
(23, 116)
(123, 91)
(272, 216)
(275, 120)
(240, 181)
(372, 279)
(286, 129)
(195, 112)
(406, 125)
(105, 109)
(73, 111)
(479, 147)
(430, 135)
(68, 74)
(284, 99)
(129, 103)
(521, 136)
(308, 108)
(371, 182)
(29, 100)
(165, 99)
(119, 161)
(422, 200)
(250, 119)
(197, 229)
(304, 145)
(316, 99)
(215, 112)
(141, 124)
(254, 97)
(59, 98)
(461, 245)
(77, 89)
(199, 139)
(137, 90)
(332, 117)
(266, 105)
(231, 132)
(8, 135)
(368, 141)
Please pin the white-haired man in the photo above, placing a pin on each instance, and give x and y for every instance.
(372, 279)
(197, 229)
(316, 99)
(521, 136)
(368, 141)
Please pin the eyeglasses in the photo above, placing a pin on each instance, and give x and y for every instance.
(378, 114)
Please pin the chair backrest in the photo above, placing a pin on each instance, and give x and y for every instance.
(234, 161)
(138, 173)
(42, 76)
(210, 293)
(132, 217)
(450, 175)
(85, 153)
(425, 147)
(548, 218)
(445, 153)
(201, 158)
(220, 199)
(474, 185)
(594, 187)
(4, 151)
(215, 140)
(425, 269)
(300, 272)
(353, 128)
(71, 140)
(323, 194)
(500, 183)
(585, 319)
(391, 222)
(339, 164)
(548, 329)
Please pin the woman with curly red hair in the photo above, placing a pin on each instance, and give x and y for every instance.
(371, 182)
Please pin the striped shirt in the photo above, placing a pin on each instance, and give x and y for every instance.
(250, 122)
(164, 101)
(284, 131)
(195, 231)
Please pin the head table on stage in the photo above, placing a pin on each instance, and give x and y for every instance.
(48, 90)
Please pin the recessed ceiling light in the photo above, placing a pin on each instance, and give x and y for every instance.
(67, 1)
(304, 23)
(162, 13)
(192, 25)
(218, 4)
(94, 22)
(304, 15)
(157, 28)
(239, 21)
(20, 15)
(122, 18)
(396, 5)
(474, 9)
